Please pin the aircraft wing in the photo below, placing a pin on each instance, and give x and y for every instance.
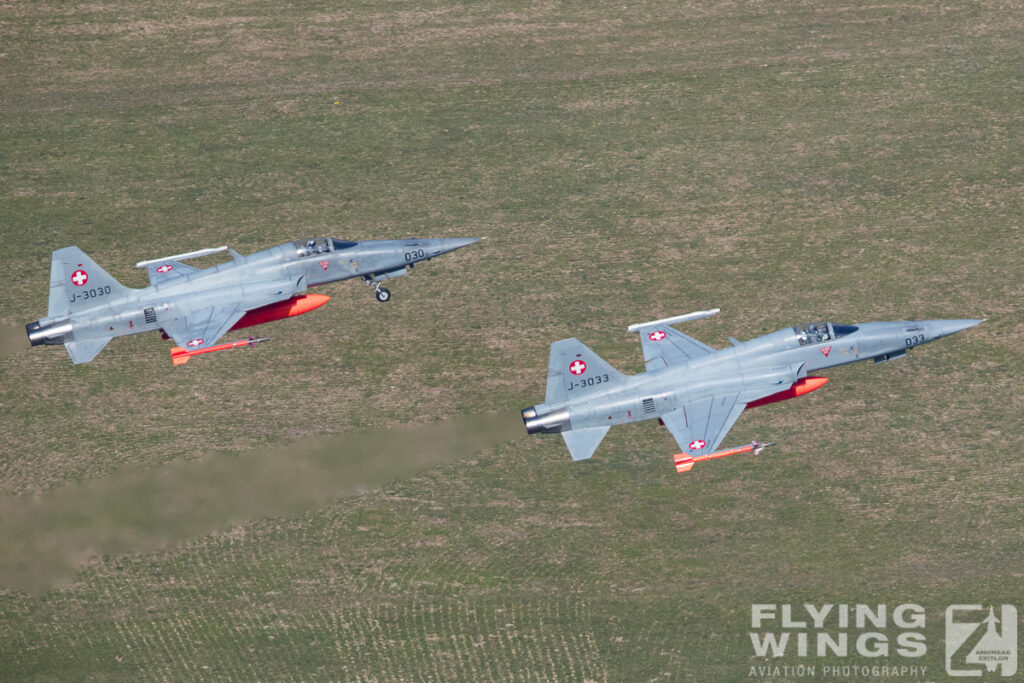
(164, 272)
(699, 427)
(665, 346)
(204, 326)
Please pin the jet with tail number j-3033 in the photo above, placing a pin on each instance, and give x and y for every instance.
(196, 307)
(697, 391)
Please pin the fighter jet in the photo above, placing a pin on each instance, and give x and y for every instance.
(196, 307)
(697, 391)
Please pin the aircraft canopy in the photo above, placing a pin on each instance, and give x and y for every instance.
(321, 245)
(813, 333)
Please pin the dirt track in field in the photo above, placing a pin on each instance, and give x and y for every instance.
(45, 540)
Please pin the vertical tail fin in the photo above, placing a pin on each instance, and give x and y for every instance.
(77, 282)
(575, 370)
(58, 302)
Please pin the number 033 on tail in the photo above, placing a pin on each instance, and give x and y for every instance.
(697, 391)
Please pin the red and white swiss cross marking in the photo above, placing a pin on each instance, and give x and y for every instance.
(165, 268)
(577, 367)
(657, 335)
(325, 264)
(697, 444)
(79, 277)
(826, 350)
(194, 342)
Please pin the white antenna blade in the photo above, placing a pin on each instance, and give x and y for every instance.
(696, 315)
(182, 257)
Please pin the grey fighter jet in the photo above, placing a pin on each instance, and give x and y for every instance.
(195, 307)
(697, 391)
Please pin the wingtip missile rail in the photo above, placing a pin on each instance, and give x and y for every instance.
(685, 463)
(686, 317)
(183, 257)
(181, 355)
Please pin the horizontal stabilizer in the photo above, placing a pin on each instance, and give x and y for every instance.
(583, 442)
(85, 350)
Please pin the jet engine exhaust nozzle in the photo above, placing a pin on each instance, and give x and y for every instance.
(549, 423)
(49, 332)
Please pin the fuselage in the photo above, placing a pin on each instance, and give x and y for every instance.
(266, 275)
(778, 359)
(250, 282)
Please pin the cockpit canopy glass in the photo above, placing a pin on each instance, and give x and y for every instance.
(813, 333)
(321, 245)
(312, 247)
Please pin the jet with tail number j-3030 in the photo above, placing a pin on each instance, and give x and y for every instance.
(196, 307)
(697, 391)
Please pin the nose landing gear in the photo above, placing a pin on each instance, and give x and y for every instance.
(382, 293)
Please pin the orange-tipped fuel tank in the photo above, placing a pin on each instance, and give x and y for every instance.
(799, 388)
(297, 305)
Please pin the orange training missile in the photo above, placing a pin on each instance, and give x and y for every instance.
(180, 356)
(799, 388)
(684, 462)
(297, 305)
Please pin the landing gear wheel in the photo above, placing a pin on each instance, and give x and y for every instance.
(383, 294)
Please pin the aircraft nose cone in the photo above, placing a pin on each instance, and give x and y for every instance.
(445, 245)
(942, 328)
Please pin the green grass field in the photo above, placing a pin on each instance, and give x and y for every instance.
(784, 161)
